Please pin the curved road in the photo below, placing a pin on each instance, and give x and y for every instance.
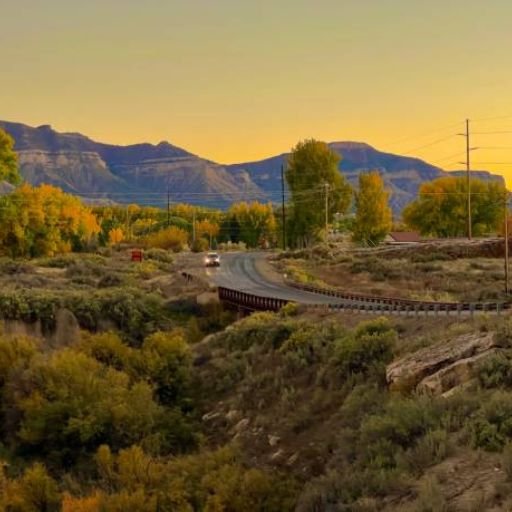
(250, 273)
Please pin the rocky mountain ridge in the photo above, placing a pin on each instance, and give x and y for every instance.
(143, 173)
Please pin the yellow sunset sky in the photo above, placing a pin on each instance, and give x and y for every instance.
(241, 80)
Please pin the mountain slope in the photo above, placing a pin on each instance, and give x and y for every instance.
(142, 173)
(403, 175)
(139, 173)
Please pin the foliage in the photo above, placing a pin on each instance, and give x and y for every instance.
(492, 426)
(115, 236)
(252, 223)
(173, 238)
(160, 255)
(370, 346)
(441, 208)
(207, 228)
(43, 221)
(373, 215)
(199, 245)
(8, 159)
(133, 311)
(259, 329)
(496, 372)
(311, 172)
(35, 491)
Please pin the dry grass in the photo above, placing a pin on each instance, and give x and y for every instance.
(464, 279)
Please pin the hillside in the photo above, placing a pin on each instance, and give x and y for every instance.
(142, 173)
(139, 173)
(403, 175)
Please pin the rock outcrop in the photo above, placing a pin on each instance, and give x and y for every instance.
(443, 367)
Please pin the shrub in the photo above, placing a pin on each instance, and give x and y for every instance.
(173, 238)
(264, 330)
(200, 245)
(492, 425)
(370, 347)
(506, 460)
(431, 498)
(431, 449)
(397, 428)
(160, 255)
(504, 333)
(496, 372)
(290, 309)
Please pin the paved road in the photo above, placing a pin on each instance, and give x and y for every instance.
(251, 273)
(247, 272)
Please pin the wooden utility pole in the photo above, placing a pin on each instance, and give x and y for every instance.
(168, 202)
(468, 179)
(326, 210)
(506, 243)
(283, 219)
(193, 224)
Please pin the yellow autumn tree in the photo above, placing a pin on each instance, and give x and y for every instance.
(207, 228)
(43, 221)
(115, 236)
(254, 222)
(88, 504)
(173, 238)
(374, 218)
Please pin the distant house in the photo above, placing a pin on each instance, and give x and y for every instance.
(402, 237)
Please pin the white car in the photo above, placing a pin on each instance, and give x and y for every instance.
(212, 259)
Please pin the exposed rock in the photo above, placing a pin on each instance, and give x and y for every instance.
(207, 298)
(273, 440)
(209, 416)
(241, 425)
(408, 372)
(277, 455)
(454, 375)
(67, 329)
(232, 415)
(293, 459)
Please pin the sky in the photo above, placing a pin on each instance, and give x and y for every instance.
(240, 80)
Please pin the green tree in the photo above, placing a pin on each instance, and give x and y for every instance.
(441, 207)
(8, 159)
(373, 215)
(252, 223)
(311, 173)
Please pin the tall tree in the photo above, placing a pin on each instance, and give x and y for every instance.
(373, 214)
(253, 222)
(208, 229)
(441, 207)
(8, 159)
(313, 176)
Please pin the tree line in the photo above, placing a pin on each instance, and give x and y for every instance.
(319, 192)
(42, 221)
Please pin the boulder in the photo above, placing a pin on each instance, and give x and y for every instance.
(441, 366)
(454, 375)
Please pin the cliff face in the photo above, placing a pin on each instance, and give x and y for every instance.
(143, 173)
(139, 173)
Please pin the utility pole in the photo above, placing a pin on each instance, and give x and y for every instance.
(283, 219)
(326, 209)
(506, 243)
(193, 225)
(168, 202)
(468, 179)
(466, 134)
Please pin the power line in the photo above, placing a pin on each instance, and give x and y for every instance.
(493, 132)
(433, 143)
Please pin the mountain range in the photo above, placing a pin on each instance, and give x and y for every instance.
(144, 173)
